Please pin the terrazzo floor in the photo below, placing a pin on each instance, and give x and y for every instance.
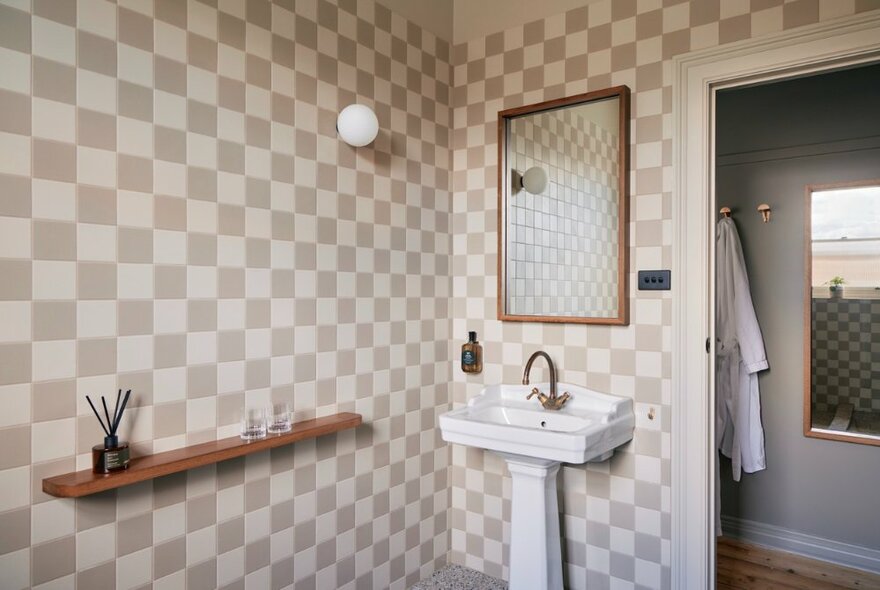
(456, 577)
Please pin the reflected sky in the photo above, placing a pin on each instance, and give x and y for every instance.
(852, 213)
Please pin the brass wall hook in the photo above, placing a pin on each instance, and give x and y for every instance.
(764, 210)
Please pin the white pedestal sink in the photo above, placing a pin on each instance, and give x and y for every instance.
(534, 442)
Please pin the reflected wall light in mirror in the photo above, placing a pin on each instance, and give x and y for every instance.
(563, 191)
(534, 180)
(357, 125)
(842, 312)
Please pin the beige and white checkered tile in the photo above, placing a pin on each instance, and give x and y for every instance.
(179, 217)
(615, 516)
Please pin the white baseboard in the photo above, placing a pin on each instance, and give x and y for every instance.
(845, 554)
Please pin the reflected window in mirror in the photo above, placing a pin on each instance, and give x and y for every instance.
(563, 194)
(842, 389)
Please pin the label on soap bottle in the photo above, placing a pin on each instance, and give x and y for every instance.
(468, 357)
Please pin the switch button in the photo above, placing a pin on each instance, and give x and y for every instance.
(655, 280)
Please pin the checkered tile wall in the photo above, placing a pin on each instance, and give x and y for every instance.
(845, 342)
(178, 217)
(616, 520)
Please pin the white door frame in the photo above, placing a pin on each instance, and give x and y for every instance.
(698, 75)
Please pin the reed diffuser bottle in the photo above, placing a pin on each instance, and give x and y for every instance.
(113, 455)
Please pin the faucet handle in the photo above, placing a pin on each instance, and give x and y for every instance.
(535, 391)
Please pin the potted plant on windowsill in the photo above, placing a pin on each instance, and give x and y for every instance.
(836, 286)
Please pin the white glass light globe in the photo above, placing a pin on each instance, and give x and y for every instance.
(534, 180)
(357, 125)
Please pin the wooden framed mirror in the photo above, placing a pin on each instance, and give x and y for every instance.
(842, 312)
(563, 195)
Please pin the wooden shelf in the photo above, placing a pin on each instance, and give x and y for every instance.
(83, 483)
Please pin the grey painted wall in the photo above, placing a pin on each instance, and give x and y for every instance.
(824, 488)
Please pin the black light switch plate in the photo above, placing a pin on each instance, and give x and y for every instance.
(655, 280)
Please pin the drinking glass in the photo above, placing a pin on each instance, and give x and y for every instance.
(253, 423)
(279, 418)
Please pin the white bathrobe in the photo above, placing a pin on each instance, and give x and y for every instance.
(739, 356)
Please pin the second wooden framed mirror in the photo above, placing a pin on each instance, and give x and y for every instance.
(842, 312)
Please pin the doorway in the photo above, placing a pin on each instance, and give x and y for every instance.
(698, 76)
(771, 141)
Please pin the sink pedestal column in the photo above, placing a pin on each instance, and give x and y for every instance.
(535, 551)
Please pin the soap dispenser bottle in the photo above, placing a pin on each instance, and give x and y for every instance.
(472, 355)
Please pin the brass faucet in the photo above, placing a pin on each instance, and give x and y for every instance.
(552, 401)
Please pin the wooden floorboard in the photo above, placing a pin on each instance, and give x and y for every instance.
(742, 566)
